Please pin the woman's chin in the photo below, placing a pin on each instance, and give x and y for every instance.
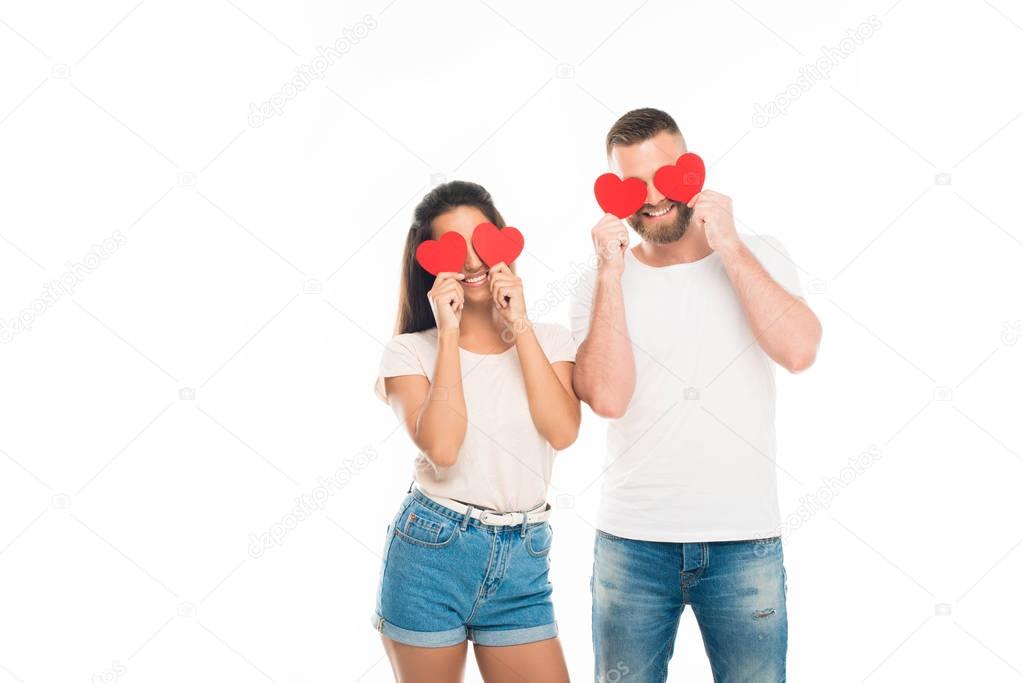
(476, 295)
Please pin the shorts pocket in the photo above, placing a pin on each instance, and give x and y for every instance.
(422, 527)
(539, 539)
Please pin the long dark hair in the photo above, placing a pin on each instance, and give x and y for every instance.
(414, 314)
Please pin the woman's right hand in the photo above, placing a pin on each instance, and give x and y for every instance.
(446, 300)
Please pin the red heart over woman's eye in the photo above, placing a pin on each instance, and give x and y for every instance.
(446, 255)
(495, 245)
(683, 180)
(619, 197)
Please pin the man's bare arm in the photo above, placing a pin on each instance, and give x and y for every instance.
(784, 326)
(605, 369)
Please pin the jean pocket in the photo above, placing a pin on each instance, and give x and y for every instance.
(539, 539)
(421, 527)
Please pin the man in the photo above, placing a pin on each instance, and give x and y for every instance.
(679, 336)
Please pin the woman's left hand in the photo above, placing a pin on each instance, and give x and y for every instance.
(506, 291)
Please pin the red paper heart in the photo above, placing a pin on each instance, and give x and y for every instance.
(495, 245)
(683, 180)
(620, 197)
(446, 255)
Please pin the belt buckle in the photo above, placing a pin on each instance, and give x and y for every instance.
(484, 516)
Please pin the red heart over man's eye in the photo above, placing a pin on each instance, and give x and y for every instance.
(619, 197)
(683, 180)
(446, 255)
(495, 245)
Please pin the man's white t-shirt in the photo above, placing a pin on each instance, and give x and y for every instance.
(692, 459)
(504, 463)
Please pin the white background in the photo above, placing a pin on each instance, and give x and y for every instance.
(217, 363)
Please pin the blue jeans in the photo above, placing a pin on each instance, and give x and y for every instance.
(737, 592)
(447, 577)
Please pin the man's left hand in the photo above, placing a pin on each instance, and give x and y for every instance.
(713, 212)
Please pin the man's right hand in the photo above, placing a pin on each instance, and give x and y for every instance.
(446, 300)
(610, 240)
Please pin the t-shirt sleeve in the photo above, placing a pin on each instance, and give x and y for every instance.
(779, 265)
(399, 358)
(558, 344)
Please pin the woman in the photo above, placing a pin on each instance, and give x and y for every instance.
(486, 397)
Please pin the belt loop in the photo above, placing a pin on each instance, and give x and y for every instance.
(466, 517)
(525, 516)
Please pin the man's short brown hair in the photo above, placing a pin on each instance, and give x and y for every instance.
(639, 125)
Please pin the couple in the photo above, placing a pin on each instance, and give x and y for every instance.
(673, 341)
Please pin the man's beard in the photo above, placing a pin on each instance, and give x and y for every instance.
(661, 231)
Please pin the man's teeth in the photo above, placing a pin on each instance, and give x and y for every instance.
(476, 278)
(656, 214)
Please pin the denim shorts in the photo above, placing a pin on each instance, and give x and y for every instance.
(447, 578)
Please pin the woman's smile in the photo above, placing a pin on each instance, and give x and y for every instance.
(476, 280)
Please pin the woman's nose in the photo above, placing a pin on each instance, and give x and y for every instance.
(472, 260)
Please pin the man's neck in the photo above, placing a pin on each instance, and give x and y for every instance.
(691, 247)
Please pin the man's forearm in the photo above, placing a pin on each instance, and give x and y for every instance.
(605, 370)
(783, 325)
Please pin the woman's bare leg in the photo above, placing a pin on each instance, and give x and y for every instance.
(529, 663)
(426, 664)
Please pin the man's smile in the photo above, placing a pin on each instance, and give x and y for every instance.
(657, 213)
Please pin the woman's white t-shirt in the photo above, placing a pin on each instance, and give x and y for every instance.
(504, 463)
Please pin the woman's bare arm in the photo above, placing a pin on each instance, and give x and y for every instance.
(434, 413)
(553, 404)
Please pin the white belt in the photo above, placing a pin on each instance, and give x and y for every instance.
(490, 517)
